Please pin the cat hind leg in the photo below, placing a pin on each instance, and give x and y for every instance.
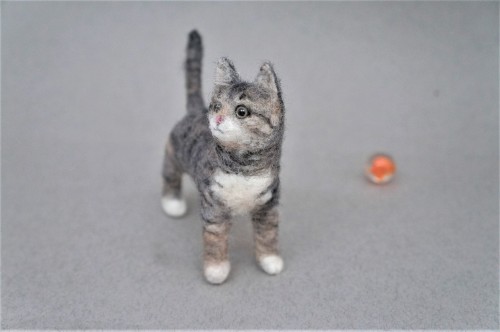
(172, 202)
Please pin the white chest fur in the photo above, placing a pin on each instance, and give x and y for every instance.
(242, 193)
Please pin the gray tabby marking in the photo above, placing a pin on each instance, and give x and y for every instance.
(232, 151)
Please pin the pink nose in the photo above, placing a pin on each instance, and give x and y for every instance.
(218, 119)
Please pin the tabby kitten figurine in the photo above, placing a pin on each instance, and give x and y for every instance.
(232, 151)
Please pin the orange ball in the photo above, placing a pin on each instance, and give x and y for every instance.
(380, 168)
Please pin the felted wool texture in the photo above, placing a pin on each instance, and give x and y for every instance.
(232, 151)
(90, 90)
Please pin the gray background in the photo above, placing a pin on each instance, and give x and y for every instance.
(90, 91)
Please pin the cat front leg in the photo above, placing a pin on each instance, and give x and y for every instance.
(265, 224)
(216, 265)
(216, 226)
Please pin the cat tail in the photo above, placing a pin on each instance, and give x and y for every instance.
(194, 55)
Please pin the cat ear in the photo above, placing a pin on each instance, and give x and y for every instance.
(267, 78)
(225, 73)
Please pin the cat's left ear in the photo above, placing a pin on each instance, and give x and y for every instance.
(267, 78)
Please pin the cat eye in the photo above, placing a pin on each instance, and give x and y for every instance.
(216, 107)
(241, 112)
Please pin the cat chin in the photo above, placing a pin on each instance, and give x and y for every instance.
(227, 142)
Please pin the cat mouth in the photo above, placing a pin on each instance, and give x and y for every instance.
(217, 129)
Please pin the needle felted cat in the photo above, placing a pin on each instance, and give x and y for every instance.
(232, 151)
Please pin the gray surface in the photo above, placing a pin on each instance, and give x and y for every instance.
(90, 91)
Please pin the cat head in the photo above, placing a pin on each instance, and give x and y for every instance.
(246, 116)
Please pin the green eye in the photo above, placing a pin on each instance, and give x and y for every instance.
(241, 112)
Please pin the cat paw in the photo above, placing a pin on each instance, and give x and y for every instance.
(271, 264)
(174, 207)
(217, 273)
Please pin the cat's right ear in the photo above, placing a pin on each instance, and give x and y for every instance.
(225, 73)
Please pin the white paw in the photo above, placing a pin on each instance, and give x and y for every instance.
(174, 207)
(216, 273)
(271, 264)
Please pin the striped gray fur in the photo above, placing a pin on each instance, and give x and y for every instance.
(233, 160)
(193, 69)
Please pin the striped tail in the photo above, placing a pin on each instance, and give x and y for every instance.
(193, 73)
